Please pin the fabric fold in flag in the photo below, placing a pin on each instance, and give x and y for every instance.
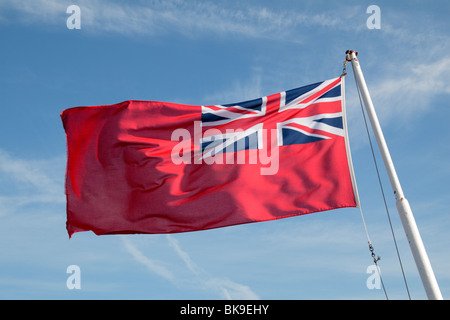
(159, 167)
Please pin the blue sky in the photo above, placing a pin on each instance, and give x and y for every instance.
(208, 52)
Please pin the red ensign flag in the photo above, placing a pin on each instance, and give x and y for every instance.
(158, 167)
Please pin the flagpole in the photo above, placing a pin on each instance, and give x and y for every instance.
(409, 224)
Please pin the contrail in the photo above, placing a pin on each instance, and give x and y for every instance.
(151, 265)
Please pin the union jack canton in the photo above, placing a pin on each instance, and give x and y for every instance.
(299, 116)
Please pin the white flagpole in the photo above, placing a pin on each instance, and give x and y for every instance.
(409, 224)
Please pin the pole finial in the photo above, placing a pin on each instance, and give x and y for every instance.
(349, 54)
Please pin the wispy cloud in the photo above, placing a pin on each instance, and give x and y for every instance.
(187, 18)
(30, 181)
(227, 288)
(150, 264)
(407, 79)
(223, 287)
(238, 90)
(401, 96)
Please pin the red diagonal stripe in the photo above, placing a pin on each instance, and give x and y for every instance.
(321, 92)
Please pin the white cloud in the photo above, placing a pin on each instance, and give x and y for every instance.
(398, 97)
(188, 18)
(150, 264)
(30, 181)
(225, 288)
(237, 91)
